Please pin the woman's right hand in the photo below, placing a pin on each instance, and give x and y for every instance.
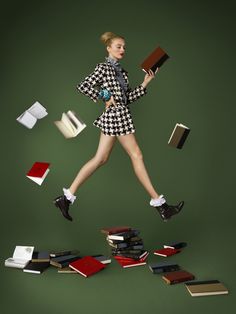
(110, 102)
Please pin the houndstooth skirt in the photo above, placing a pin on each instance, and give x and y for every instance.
(115, 121)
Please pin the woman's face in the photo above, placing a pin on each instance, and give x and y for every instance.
(117, 49)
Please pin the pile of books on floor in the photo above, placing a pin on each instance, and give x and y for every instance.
(172, 274)
(36, 262)
(126, 246)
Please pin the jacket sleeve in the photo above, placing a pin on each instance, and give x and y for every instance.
(136, 93)
(89, 84)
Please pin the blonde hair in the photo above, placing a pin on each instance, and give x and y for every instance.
(108, 37)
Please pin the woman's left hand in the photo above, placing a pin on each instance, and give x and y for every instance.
(148, 77)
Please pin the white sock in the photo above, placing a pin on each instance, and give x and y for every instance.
(157, 201)
(69, 195)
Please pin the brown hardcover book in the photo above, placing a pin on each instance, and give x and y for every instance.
(179, 135)
(154, 60)
(66, 270)
(112, 230)
(177, 276)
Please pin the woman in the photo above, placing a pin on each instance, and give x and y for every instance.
(109, 82)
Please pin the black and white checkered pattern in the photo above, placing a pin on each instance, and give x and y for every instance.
(115, 120)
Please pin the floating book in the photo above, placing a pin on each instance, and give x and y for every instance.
(38, 172)
(177, 277)
(31, 115)
(70, 124)
(87, 266)
(179, 135)
(175, 245)
(166, 252)
(36, 268)
(205, 288)
(154, 60)
(21, 257)
(159, 268)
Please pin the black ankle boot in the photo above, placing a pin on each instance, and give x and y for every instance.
(63, 204)
(166, 211)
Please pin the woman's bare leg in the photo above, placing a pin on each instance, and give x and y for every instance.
(104, 149)
(130, 145)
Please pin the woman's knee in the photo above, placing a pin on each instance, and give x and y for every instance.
(136, 154)
(101, 160)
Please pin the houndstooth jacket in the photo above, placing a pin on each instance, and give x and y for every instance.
(104, 77)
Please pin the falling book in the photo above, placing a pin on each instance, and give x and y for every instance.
(38, 172)
(21, 257)
(177, 277)
(166, 252)
(87, 266)
(205, 288)
(179, 135)
(70, 124)
(36, 268)
(31, 115)
(154, 60)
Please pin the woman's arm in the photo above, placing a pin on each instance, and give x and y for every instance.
(87, 86)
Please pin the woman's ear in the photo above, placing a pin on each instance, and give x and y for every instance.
(108, 49)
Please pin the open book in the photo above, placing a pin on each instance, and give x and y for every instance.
(21, 257)
(70, 124)
(31, 115)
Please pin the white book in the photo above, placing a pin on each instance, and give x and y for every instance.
(31, 115)
(70, 124)
(21, 257)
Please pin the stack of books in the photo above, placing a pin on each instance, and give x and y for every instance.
(126, 246)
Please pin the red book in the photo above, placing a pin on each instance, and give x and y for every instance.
(87, 266)
(129, 262)
(112, 230)
(38, 172)
(166, 252)
(124, 258)
(177, 276)
(154, 60)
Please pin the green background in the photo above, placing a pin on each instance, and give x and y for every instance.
(47, 47)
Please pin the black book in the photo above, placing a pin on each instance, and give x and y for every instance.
(178, 135)
(124, 235)
(163, 267)
(40, 257)
(133, 239)
(175, 245)
(63, 261)
(36, 267)
(135, 256)
(63, 253)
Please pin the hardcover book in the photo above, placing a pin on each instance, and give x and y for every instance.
(63, 253)
(166, 252)
(31, 115)
(127, 263)
(177, 277)
(63, 261)
(130, 254)
(21, 257)
(38, 172)
(112, 230)
(159, 268)
(103, 259)
(36, 268)
(123, 235)
(205, 288)
(87, 266)
(178, 135)
(66, 270)
(40, 257)
(70, 124)
(154, 60)
(175, 245)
